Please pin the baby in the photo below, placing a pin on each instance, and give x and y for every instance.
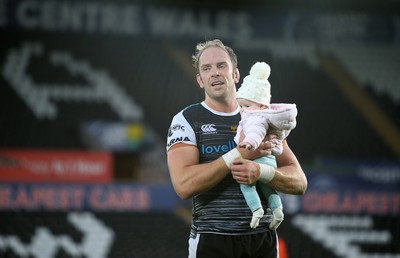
(258, 118)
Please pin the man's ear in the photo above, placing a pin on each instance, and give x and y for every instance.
(236, 75)
(199, 80)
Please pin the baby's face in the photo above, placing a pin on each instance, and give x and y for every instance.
(246, 104)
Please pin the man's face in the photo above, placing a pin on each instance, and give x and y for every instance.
(216, 73)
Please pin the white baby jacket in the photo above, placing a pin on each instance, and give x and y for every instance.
(279, 119)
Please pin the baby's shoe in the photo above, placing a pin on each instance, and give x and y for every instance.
(277, 218)
(257, 215)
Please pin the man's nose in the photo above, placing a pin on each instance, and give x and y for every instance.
(215, 72)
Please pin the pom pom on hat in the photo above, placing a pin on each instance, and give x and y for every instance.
(260, 70)
(255, 86)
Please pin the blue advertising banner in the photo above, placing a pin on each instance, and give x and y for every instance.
(346, 194)
(117, 197)
(329, 194)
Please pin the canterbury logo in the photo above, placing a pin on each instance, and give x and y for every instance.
(208, 128)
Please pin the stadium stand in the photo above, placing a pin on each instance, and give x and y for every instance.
(372, 65)
(154, 234)
(353, 172)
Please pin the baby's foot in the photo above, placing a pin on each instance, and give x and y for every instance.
(257, 215)
(277, 218)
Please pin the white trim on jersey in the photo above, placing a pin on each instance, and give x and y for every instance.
(193, 243)
(277, 245)
(220, 113)
(180, 131)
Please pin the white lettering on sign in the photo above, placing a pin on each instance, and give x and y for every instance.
(97, 240)
(78, 16)
(40, 97)
(343, 234)
(129, 19)
(184, 22)
(77, 166)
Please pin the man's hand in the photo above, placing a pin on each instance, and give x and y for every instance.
(245, 171)
(264, 149)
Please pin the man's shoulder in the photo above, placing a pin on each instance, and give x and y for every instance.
(191, 113)
(193, 108)
(196, 110)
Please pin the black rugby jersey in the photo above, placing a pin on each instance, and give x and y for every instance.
(222, 209)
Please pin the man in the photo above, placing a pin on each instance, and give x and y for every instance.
(205, 165)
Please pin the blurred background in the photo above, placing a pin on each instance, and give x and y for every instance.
(88, 90)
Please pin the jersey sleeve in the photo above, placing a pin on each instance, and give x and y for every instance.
(180, 131)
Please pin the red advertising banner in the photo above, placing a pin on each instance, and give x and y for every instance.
(21, 165)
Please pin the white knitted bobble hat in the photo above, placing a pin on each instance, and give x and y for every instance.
(255, 86)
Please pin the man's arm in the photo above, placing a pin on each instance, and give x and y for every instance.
(190, 178)
(288, 178)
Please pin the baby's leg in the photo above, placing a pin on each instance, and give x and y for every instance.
(275, 203)
(274, 200)
(253, 201)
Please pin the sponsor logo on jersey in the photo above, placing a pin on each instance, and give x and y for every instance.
(234, 128)
(174, 128)
(178, 139)
(218, 148)
(208, 129)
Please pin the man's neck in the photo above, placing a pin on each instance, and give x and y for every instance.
(225, 107)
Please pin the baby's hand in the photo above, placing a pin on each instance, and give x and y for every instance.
(245, 145)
